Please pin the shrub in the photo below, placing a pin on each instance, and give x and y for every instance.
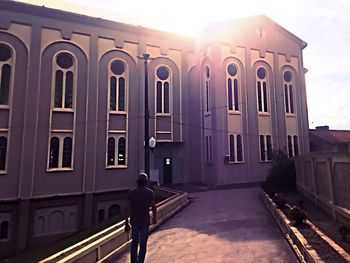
(279, 201)
(282, 173)
(297, 215)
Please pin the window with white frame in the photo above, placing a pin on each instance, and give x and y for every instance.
(60, 153)
(117, 86)
(116, 151)
(64, 74)
(6, 60)
(262, 89)
(3, 152)
(265, 148)
(288, 84)
(206, 77)
(163, 90)
(233, 88)
(235, 148)
(293, 145)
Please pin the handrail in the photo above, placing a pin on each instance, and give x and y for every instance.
(113, 239)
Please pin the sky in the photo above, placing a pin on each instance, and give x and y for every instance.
(324, 25)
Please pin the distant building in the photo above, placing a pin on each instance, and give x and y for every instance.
(326, 140)
(71, 113)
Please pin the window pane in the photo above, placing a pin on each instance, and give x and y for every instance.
(259, 96)
(291, 98)
(159, 97)
(121, 151)
(290, 147)
(4, 230)
(163, 73)
(3, 150)
(261, 73)
(166, 97)
(5, 84)
(117, 67)
(235, 85)
(232, 148)
(111, 151)
(286, 97)
(239, 148)
(296, 146)
(265, 97)
(69, 90)
(54, 148)
(207, 144)
(113, 94)
(121, 95)
(67, 152)
(210, 151)
(5, 52)
(64, 60)
(269, 147)
(229, 92)
(207, 94)
(58, 89)
(262, 148)
(232, 70)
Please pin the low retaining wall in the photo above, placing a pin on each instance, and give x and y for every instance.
(114, 239)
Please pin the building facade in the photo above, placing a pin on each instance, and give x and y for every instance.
(72, 113)
(322, 139)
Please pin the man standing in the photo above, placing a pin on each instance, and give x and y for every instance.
(140, 200)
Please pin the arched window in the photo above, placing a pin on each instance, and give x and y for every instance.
(114, 211)
(54, 152)
(265, 148)
(4, 230)
(3, 152)
(206, 89)
(232, 87)
(235, 148)
(288, 83)
(117, 87)
(64, 80)
(262, 89)
(121, 151)
(111, 151)
(5, 73)
(163, 85)
(67, 152)
(101, 215)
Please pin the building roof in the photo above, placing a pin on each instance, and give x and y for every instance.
(332, 136)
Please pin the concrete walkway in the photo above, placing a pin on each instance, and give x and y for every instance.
(219, 226)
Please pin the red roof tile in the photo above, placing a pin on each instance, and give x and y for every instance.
(332, 136)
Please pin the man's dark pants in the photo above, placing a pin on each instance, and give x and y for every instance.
(139, 235)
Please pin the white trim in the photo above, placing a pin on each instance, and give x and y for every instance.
(235, 161)
(265, 148)
(116, 137)
(267, 81)
(61, 135)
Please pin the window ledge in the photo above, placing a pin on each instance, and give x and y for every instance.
(291, 115)
(5, 240)
(162, 114)
(206, 114)
(118, 112)
(3, 173)
(241, 162)
(116, 167)
(231, 112)
(264, 113)
(265, 161)
(4, 107)
(52, 170)
(62, 110)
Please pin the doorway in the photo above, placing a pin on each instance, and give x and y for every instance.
(167, 171)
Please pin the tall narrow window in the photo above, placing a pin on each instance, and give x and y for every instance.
(289, 83)
(296, 145)
(5, 73)
(121, 151)
(262, 89)
(262, 148)
(268, 148)
(67, 152)
(290, 146)
(163, 86)
(232, 87)
(239, 148)
(54, 152)
(64, 81)
(111, 151)
(210, 151)
(232, 148)
(207, 89)
(3, 151)
(117, 89)
(4, 230)
(207, 146)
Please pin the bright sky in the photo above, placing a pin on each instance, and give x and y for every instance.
(323, 24)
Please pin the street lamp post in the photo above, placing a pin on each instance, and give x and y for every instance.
(147, 171)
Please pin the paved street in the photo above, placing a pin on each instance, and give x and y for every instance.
(219, 226)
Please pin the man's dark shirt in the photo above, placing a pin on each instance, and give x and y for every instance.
(141, 199)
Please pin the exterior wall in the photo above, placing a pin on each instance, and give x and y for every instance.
(53, 203)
